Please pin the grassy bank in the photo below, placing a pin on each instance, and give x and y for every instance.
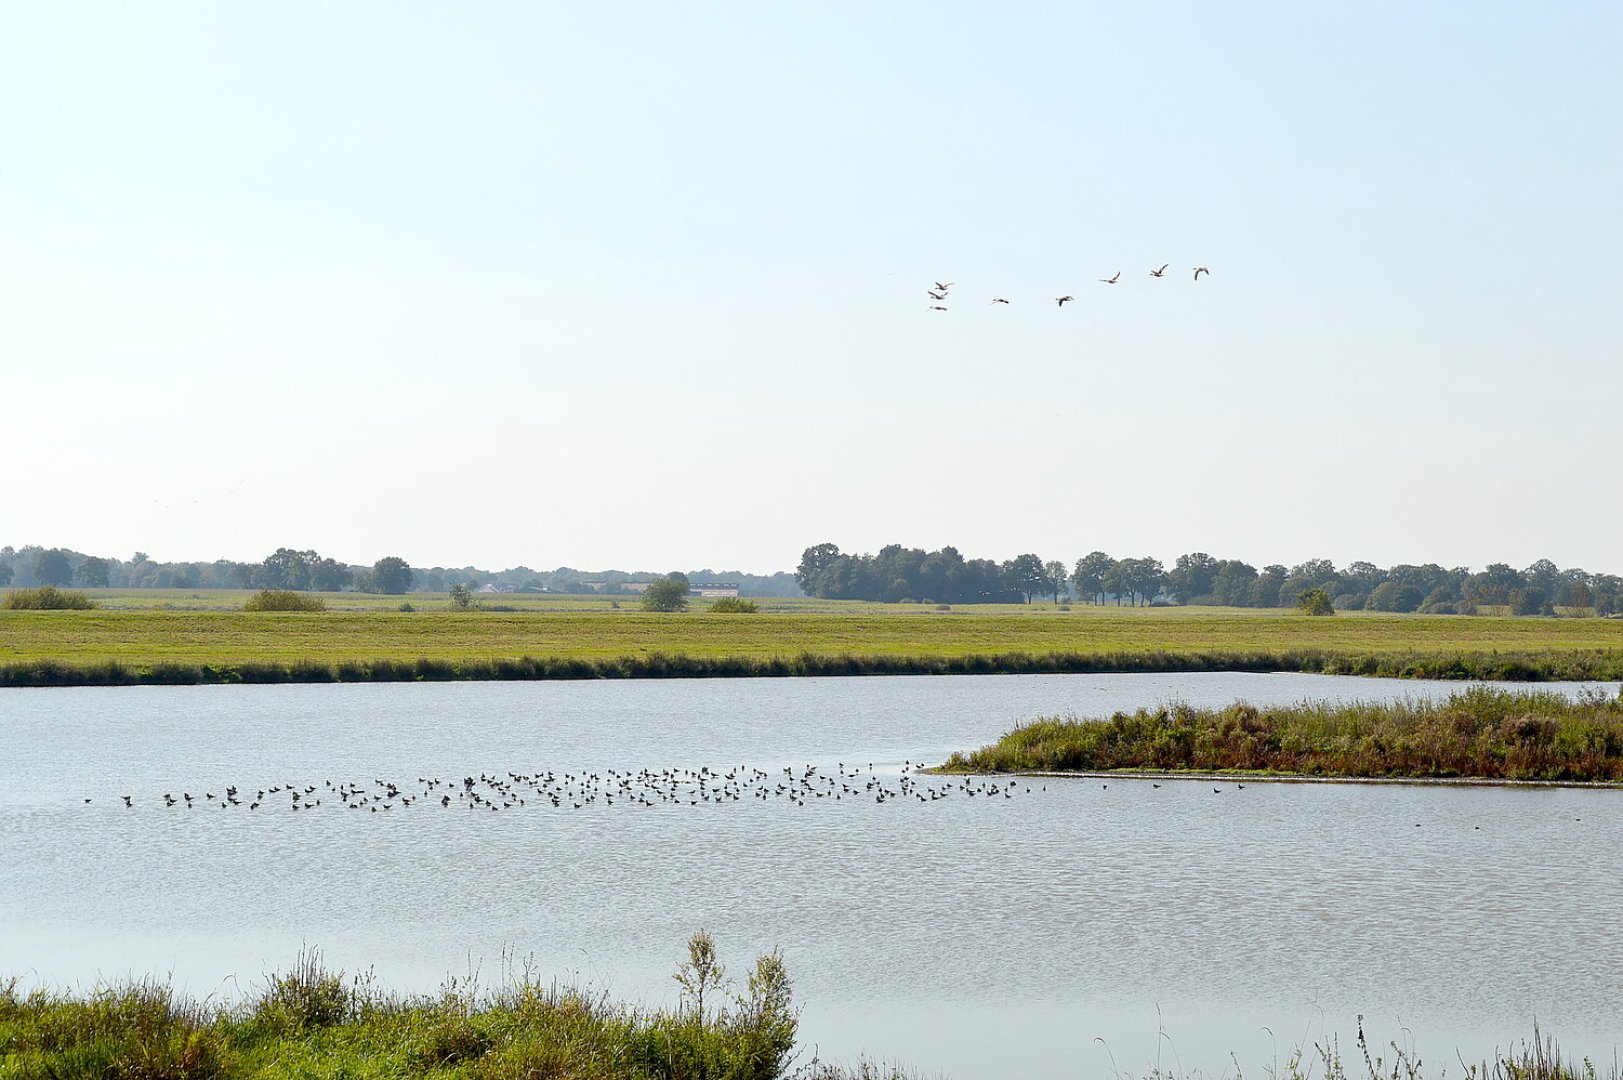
(1492, 666)
(157, 646)
(1481, 733)
(316, 1023)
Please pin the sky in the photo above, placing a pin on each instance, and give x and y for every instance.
(643, 285)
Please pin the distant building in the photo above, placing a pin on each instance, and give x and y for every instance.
(713, 589)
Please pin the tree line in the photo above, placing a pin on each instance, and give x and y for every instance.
(899, 574)
(296, 570)
(283, 569)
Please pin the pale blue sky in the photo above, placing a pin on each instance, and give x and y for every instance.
(642, 285)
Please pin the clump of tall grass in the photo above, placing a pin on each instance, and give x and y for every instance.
(1482, 732)
(312, 1021)
(46, 598)
(283, 600)
(732, 605)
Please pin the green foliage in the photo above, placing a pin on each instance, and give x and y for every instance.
(93, 573)
(734, 605)
(305, 998)
(1315, 602)
(666, 594)
(53, 568)
(46, 598)
(312, 1022)
(391, 575)
(1479, 733)
(283, 600)
(461, 597)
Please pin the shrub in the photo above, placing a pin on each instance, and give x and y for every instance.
(667, 594)
(307, 997)
(406, 607)
(283, 600)
(1315, 602)
(732, 604)
(47, 598)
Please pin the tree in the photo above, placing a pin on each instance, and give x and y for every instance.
(286, 568)
(1394, 596)
(1265, 590)
(6, 574)
(461, 596)
(1315, 602)
(1088, 578)
(330, 575)
(813, 562)
(1193, 575)
(1232, 585)
(93, 573)
(52, 567)
(669, 593)
(391, 575)
(1058, 579)
(1026, 575)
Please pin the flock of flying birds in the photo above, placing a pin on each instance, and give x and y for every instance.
(939, 293)
(609, 787)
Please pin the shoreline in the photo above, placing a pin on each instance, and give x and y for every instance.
(1530, 667)
(1301, 778)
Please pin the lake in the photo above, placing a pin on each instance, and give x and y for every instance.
(1069, 928)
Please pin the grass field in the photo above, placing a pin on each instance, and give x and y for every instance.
(131, 643)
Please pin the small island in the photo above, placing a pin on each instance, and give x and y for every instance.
(1481, 733)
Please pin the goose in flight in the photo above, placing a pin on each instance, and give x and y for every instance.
(1160, 272)
(937, 307)
(999, 300)
(945, 287)
(1199, 270)
(1061, 299)
(935, 295)
(1112, 279)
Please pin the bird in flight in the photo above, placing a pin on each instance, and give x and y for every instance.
(1112, 279)
(1061, 299)
(937, 307)
(1199, 270)
(945, 287)
(1160, 272)
(999, 300)
(935, 295)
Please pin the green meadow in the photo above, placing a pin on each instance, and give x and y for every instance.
(180, 636)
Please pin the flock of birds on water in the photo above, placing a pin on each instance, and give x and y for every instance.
(576, 790)
(939, 294)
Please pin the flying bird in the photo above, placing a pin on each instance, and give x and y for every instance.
(1199, 270)
(935, 295)
(1160, 272)
(937, 307)
(1061, 299)
(945, 287)
(999, 300)
(1112, 279)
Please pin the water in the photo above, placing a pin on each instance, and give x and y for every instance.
(1066, 932)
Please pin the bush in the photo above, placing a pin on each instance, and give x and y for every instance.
(666, 594)
(734, 605)
(283, 600)
(1315, 602)
(47, 598)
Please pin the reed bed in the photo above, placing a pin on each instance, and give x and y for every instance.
(1481, 733)
(1503, 667)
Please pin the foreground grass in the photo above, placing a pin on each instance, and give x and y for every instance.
(124, 646)
(315, 1023)
(1481, 733)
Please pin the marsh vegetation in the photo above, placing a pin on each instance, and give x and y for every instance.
(1480, 733)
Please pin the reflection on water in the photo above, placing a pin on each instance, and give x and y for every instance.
(1048, 934)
